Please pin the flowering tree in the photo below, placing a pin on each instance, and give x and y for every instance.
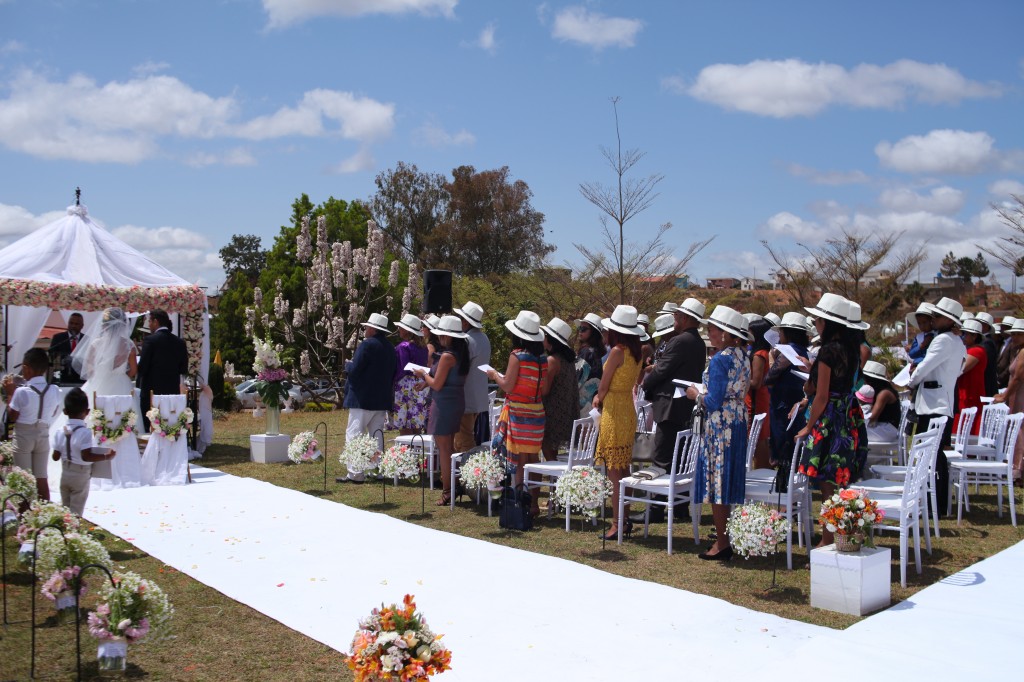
(343, 285)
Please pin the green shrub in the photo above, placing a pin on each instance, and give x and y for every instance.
(313, 406)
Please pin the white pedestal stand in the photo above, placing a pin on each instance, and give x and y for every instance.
(268, 449)
(856, 583)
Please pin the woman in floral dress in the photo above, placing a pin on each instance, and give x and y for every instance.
(410, 405)
(721, 465)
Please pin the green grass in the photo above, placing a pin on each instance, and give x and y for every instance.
(216, 638)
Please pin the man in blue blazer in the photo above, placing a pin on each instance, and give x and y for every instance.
(369, 388)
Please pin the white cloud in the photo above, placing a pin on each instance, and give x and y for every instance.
(12, 46)
(17, 221)
(433, 135)
(578, 25)
(285, 12)
(834, 178)
(1004, 188)
(362, 160)
(160, 237)
(124, 122)
(486, 40)
(943, 200)
(940, 151)
(739, 264)
(677, 85)
(148, 68)
(786, 224)
(790, 87)
(238, 156)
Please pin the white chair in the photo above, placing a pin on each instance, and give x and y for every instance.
(582, 444)
(998, 473)
(896, 449)
(165, 462)
(126, 467)
(755, 430)
(458, 459)
(796, 502)
(963, 432)
(898, 472)
(904, 511)
(424, 445)
(988, 444)
(676, 487)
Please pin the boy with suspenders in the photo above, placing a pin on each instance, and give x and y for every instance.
(73, 448)
(33, 406)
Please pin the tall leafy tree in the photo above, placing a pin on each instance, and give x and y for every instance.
(244, 254)
(227, 327)
(407, 207)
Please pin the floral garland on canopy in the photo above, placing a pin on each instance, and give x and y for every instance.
(189, 301)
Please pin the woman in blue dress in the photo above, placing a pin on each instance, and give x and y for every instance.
(721, 465)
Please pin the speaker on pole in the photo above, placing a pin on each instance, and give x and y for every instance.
(437, 291)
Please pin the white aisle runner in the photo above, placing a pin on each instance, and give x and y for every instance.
(319, 566)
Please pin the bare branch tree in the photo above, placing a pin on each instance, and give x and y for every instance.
(1009, 251)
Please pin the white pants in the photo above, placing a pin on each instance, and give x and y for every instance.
(363, 422)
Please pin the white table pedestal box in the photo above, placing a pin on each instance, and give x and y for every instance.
(267, 449)
(856, 583)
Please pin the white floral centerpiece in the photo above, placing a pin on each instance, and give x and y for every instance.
(6, 455)
(483, 470)
(130, 610)
(756, 529)
(361, 454)
(42, 513)
(584, 489)
(400, 461)
(304, 448)
(269, 375)
(107, 433)
(19, 481)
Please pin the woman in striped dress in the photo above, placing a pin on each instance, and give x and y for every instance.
(521, 424)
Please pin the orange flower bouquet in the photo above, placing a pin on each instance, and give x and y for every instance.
(395, 643)
(852, 513)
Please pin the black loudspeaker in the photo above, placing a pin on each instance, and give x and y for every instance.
(437, 291)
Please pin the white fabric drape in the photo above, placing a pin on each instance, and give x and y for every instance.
(126, 467)
(23, 326)
(165, 461)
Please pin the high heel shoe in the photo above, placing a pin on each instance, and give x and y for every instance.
(446, 499)
(613, 534)
(722, 555)
(460, 490)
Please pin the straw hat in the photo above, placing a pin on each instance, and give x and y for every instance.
(985, 318)
(559, 330)
(472, 313)
(832, 307)
(663, 324)
(450, 325)
(377, 321)
(728, 320)
(693, 308)
(593, 319)
(793, 320)
(875, 370)
(773, 318)
(925, 309)
(972, 326)
(526, 326)
(949, 309)
(623, 320)
(668, 308)
(1006, 323)
(1017, 327)
(855, 321)
(412, 324)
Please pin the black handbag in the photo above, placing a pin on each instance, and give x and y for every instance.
(515, 508)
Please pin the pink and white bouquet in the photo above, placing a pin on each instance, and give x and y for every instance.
(41, 514)
(130, 609)
(304, 448)
(584, 489)
(756, 529)
(171, 430)
(483, 470)
(17, 480)
(400, 461)
(361, 453)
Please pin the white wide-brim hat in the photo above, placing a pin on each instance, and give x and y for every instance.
(949, 309)
(431, 322)
(412, 324)
(1007, 322)
(593, 319)
(972, 326)
(773, 318)
(876, 370)
(377, 321)
(855, 321)
(559, 330)
(668, 308)
(793, 320)
(831, 307)
(663, 324)
(1017, 327)
(623, 320)
(925, 309)
(643, 319)
(728, 320)
(693, 308)
(752, 317)
(450, 325)
(472, 313)
(526, 326)
(985, 318)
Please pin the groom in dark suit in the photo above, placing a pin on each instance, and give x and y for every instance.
(61, 346)
(163, 362)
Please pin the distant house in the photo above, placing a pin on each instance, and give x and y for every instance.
(753, 283)
(723, 283)
(678, 281)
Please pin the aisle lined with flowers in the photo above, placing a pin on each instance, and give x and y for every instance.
(319, 567)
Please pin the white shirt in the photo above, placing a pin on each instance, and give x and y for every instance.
(26, 402)
(81, 439)
(942, 363)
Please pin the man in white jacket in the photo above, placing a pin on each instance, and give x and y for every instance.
(935, 382)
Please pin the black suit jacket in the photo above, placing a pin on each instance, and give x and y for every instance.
(163, 361)
(684, 358)
(60, 350)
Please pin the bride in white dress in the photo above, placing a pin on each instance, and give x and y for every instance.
(105, 358)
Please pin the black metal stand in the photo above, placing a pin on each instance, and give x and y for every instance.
(35, 579)
(383, 487)
(604, 529)
(424, 467)
(323, 448)
(78, 619)
(3, 547)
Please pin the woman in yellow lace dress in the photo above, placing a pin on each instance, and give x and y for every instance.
(614, 399)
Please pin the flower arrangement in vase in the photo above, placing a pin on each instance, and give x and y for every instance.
(583, 488)
(756, 529)
(851, 515)
(361, 454)
(483, 470)
(61, 562)
(129, 610)
(304, 448)
(17, 480)
(395, 643)
(42, 513)
(400, 461)
(269, 375)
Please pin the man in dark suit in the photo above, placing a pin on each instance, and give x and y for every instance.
(61, 346)
(163, 362)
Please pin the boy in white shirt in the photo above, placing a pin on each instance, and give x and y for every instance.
(33, 406)
(72, 446)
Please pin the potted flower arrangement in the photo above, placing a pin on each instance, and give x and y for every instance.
(483, 470)
(756, 529)
(39, 515)
(62, 562)
(129, 610)
(400, 461)
(395, 643)
(270, 382)
(17, 480)
(304, 448)
(850, 514)
(6, 455)
(583, 488)
(361, 454)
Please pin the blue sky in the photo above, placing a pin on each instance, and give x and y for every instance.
(185, 122)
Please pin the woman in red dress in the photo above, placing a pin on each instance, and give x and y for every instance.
(970, 387)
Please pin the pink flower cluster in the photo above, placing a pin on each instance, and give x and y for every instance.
(100, 626)
(272, 375)
(61, 581)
